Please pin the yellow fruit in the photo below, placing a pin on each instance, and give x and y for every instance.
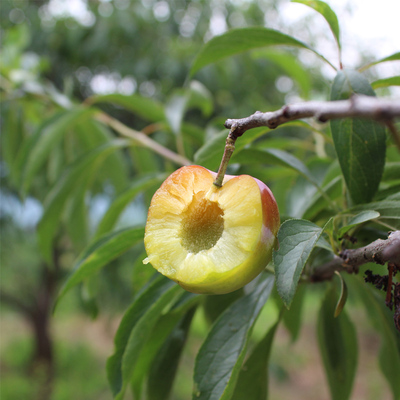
(207, 239)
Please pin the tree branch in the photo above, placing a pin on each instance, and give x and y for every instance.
(143, 140)
(379, 252)
(382, 110)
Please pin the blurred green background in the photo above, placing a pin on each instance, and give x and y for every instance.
(70, 50)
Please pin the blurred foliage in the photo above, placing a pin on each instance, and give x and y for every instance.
(98, 106)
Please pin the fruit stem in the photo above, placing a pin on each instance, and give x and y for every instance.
(229, 149)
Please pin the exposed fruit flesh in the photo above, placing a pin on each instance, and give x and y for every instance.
(206, 238)
(202, 224)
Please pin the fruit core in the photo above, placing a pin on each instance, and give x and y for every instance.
(202, 224)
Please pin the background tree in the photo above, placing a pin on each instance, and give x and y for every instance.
(88, 130)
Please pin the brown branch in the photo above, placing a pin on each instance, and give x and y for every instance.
(383, 110)
(379, 252)
(142, 139)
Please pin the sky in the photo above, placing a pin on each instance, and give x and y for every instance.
(367, 25)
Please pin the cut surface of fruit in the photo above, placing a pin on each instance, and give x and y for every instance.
(209, 239)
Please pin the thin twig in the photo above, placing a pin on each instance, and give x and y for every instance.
(142, 139)
(383, 110)
(379, 252)
(228, 151)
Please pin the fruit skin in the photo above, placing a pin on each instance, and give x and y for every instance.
(205, 278)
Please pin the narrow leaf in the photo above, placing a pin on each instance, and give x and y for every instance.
(329, 15)
(164, 367)
(201, 98)
(175, 109)
(333, 189)
(293, 318)
(389, 211)
(155, 291)
(343, 295)
(77, 217)
(386, 82)
(290, 65)
(125, 359)
(382, 321)
(162, 330)
(220, 357)
(112, 214)
(392, 57)
(392, 171)
(56, 199)
(297, 238)
(44, 139)
(338, 346)
(358, 141)
(99, 254)
(360, 218)
(253, 378)
(276, 156)
(214, 306)
(92, 134)
(240, 40)
(144, 107)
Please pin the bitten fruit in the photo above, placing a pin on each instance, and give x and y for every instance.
(211, 240)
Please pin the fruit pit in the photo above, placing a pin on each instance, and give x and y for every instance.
(202, 224)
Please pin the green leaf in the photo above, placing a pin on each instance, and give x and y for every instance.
(210, 154)
(200, 97)
(112, 214)
(12, 137)
(220, 357)
(253, 378)
(389, 211)
(343, 295)
(275, 156)
(386, 82)
(382, 320)
(162, 330)
(214, 306)
(77, 217)
(194, 96)
(292, 318)
(290, 65)
(46, 137)
(238, 41)
(92, 134)
(338, 346)
(317, 203)
(360, 218)
(329, 15)
(55, 201)
(297, 239)
(99, 254)
(299, 195)
(358, 141)
(135, 329)
(392, 171)
(164, 367)
(144, 107)
(175, 109)
(392, 57)
(386, 208)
